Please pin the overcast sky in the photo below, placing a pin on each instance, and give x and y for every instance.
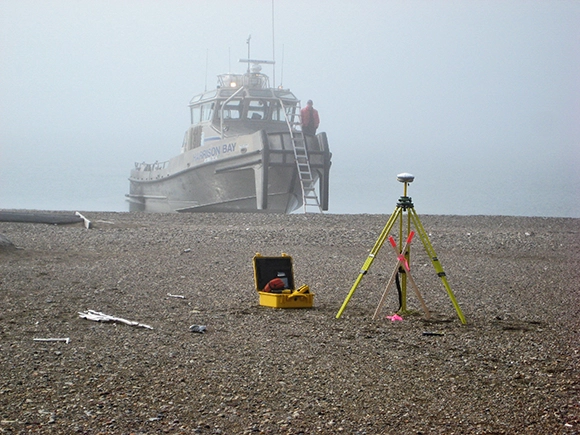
(480, 100)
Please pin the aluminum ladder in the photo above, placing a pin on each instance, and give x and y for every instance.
(307, 182)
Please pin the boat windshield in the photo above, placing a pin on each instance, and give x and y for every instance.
(232, 110)
(258, 109)
(278, 110)
(253, 109)
(202, 112)
(243, 109)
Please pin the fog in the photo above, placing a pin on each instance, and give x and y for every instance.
(480, 100)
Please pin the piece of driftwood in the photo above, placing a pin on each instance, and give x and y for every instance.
(102, 317)
(176, 296)
(66, 340)
(88, 224)
(39, 217)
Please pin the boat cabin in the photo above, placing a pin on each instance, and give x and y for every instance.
(241, 104)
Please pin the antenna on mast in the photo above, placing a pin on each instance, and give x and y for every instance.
(282, 68)
(273, 48)
(206, 63)
(249, 57)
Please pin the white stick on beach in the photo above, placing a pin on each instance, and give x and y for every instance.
(88, 224)
(102, 317)
(176, 296)
(66, 340)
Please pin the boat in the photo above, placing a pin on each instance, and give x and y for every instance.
(243, 152)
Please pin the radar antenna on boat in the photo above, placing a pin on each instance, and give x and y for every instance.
(257, 62)
(256, 67)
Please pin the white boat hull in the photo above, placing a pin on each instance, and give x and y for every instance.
(250, 173)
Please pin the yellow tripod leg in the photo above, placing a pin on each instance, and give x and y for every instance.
(433, 256)
(371, 257)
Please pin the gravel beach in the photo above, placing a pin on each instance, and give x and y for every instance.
(514, 368)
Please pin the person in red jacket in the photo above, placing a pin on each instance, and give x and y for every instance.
(310, 118)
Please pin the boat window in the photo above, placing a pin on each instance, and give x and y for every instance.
(227, 92)
(257, 109)
(260, 93)
(196, 98)
(277, 114)
(206, 111)
(231, 110)
(284, 93)
(195, 114)
(290, 109)
(210, 94)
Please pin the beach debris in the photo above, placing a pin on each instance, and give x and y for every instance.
(66, 340)
(176, 296)
(395, 318)
(433, 334)
(102, 317)
(6, 244)
(201, 329)
(87, 222)
(26, 216)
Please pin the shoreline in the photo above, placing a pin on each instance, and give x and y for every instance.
(327, 213)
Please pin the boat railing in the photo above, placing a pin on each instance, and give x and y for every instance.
(252, 80)
(151, 166)
(223, 106)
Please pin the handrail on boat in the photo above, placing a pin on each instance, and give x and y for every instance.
(151, 166)
(222, 110)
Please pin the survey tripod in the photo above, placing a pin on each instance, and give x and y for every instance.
(404, 207)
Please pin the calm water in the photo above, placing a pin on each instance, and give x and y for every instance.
(353, 191)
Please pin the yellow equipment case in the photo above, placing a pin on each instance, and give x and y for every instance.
(267, 269)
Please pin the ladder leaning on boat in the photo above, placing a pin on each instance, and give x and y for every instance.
(307, 182)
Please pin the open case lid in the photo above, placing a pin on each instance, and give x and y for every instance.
(268, 268)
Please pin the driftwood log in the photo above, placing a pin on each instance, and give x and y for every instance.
(39, 217)
(102, 317)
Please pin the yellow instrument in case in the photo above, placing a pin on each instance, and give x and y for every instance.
(267, 269)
